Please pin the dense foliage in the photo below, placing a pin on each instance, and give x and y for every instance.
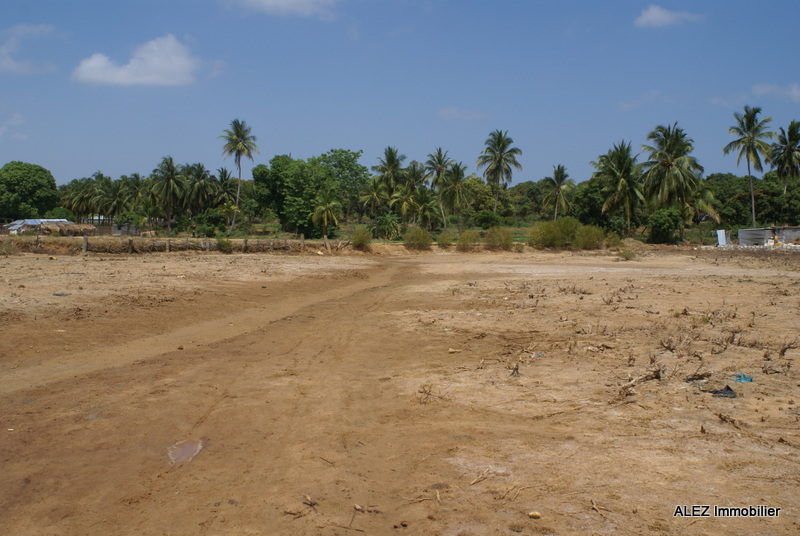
(26, 191)
(659, 192)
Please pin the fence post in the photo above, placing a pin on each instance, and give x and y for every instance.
(85, 247)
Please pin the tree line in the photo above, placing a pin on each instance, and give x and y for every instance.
(311, 196)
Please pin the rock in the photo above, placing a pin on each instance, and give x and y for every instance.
(534, 515)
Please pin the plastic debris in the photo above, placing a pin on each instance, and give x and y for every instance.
(727, 392)
(742, 378)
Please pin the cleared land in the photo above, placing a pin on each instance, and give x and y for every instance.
(188, 394)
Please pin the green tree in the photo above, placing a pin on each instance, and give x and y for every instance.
(498, 158)
(425, 207)
(618, 168)
(390, 169)
(416, 176)
(436, 165)
(785, 154)
(201, 189)
(373, 195)
(403, 199)
(239, 142)
(26, 191)
(454, 192)
(750, 143)
(557, 187)
(169, 188)
(327, 210)
(111, 197)
(349, 175)
(671, 174)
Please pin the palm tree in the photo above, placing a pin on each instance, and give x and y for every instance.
(785, 155)
(239, 142)
(403, 197)
(327, 210)
(373, 195)
(750, 143)
(201, 188)
(110, 199)
(454, 191)
(623, 176)
(390, 169)
(437, 164)
(169, 188)
(498, 157)
(416, 176)
(425, 207)
(558, 186)
(671, 175)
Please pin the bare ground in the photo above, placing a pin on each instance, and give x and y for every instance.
(261, 394)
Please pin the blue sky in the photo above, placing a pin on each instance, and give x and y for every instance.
(90, 86)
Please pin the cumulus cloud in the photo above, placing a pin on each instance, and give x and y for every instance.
(791, 92)
(656, 16)
(164, 61)
(453, 113)
(12, 44)
(304, 8)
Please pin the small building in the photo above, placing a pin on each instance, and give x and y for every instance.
(49, 226)
(768, 236)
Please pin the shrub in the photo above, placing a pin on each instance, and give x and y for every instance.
(663, 224)
(519, 247)
(361, 239)
(8, 248)
(445, 239)
(467, 240)
(498, 238)
(417, 238)
(487, 219)
(225, 246)
(627, 255)
(386, 226)
(613, 240)
(589, 237)
(554, 234)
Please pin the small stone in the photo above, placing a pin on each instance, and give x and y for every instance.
(534, 515)
(453, 351)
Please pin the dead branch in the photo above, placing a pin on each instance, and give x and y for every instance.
(654, 372)
(417, 500)
(787, 346)
(481, 477)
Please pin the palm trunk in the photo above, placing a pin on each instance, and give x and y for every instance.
(752, 194)
(238, 191)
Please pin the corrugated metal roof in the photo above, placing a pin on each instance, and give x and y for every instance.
(33, 222)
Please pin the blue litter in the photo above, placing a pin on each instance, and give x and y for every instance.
(742, 378)
(539, 355)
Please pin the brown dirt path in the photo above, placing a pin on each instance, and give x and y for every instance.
(386, 385)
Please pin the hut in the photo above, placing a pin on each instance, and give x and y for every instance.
(49, 226)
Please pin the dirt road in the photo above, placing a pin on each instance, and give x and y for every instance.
(186, 395)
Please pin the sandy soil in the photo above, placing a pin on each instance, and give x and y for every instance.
(280, 395)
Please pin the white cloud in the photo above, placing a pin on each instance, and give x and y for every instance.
(303, 8)
(655, 16)
(650, 96)
(164, 61)
(10, 47)
(15, 120)
(453, 113)
(791, 92)
(7, 125)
